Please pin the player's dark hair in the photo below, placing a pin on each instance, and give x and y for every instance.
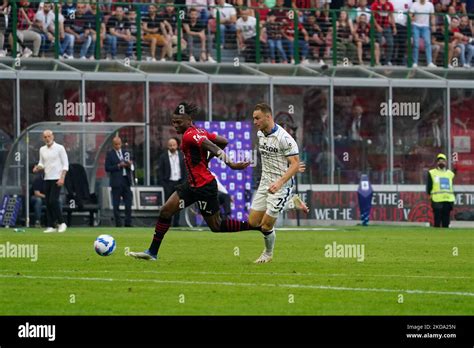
(188, 109)
(263, 107)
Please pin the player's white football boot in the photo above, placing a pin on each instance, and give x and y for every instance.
(50, 230)
(144, 255)
(264, 258)
(300, 204)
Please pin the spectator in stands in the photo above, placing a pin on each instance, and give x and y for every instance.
(80, 26)
(385, 26)
(228, 18)
(3, 29)
(195, 29)
(93, 29)
(401, 8)
(45, 18)
(119, 32)
(421, 13)
(364, 9)
(69, 9)
(153, 26)
(466, 29)
(345, 38)
(288, 33)
(202, 6)
(240, 7)
(246, 35)
(26, 15)
(317, 41)
(272, 28)
(451, 13)
(351, 10)
(280, 13)
(262, 9)
(362, 40)
(457, 47)
(170, 30)
(171, 171)
(323, 19)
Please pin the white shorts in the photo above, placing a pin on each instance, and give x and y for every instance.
(271, 203)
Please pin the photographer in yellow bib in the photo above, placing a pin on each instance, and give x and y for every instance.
(439, 187)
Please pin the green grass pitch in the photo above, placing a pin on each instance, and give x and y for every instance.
(406, 271)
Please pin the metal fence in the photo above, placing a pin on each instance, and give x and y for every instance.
(348, 36)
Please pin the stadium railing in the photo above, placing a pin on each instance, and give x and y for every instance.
(339, 50)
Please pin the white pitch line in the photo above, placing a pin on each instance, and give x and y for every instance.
(259, 274)
(299, 286)
(306, 229)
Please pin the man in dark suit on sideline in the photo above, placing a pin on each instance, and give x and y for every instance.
(118, 164)
(171, 171)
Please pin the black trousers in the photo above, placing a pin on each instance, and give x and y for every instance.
(170, 187)
(53, 208)
(442, 213)
(123, 191)
(400, 41)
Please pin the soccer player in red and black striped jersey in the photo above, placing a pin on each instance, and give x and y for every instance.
(201, 186)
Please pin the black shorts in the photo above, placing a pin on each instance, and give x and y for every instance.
(205, 196)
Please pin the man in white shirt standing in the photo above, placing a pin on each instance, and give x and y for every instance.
(422, 12)
(171, 171)
(401, 8)
(53, 160)
(246, 35)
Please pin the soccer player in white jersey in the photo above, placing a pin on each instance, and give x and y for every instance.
(280, 163)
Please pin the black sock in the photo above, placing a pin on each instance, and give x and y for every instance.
(161, 227)
(233, 225)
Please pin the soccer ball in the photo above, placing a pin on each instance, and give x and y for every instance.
(105, 245)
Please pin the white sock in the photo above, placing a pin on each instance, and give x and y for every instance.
(270, 242)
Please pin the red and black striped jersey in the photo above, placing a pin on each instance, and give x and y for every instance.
(195, 157)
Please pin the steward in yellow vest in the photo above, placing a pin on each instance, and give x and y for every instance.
(439, 187)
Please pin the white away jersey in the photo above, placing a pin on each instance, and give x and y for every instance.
(274, 149)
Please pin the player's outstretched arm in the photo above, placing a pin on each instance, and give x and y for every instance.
(221, 142)
(215, 151)
(294, 166)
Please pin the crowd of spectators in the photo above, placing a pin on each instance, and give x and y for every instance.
(432, 26)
